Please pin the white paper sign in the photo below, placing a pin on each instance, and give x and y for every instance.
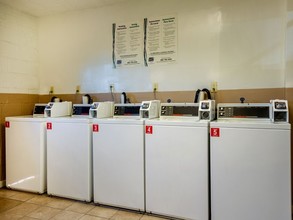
(128, 44)
(161, 40)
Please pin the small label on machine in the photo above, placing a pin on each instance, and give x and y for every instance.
(149, 129)
(215, 132)
(49, 125)
(95, 128)
(7, 124)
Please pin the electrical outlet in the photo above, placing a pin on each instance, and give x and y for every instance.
(214, 86)
(155, 86)
(77, 89)
(51, 90)
(111, 87)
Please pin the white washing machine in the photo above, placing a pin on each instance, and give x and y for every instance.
(69, 154)
(26, 151)
(118, 156)
(250, 162)
(177, 162)
(26, 147)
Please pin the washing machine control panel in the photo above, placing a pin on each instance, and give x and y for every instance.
(58, 109)
(244, 111)
(150, 109)
(126, 109)
(145, 106)
(179, 109)
(205, 105)
(280, 112)
(100, 109)
(280, 105)
(225, 112)
(81, 110)
(207, 110)
(39, 110)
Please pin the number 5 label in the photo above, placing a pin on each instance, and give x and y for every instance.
(215, 132)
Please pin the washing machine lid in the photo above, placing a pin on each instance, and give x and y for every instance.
(70, 119)
(178, 122)
(29, 118)
(126, 121)
(249, 124)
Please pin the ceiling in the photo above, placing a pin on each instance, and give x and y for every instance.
(41, 8)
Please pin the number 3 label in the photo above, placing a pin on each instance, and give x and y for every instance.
(95, 128)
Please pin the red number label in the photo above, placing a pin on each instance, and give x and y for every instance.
(95, 128)
(49, 125)
(148, 129)
(7, 124)
(215, 132)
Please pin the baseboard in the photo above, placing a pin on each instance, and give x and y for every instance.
(2, 183)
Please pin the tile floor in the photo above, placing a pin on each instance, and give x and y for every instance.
(26, 206)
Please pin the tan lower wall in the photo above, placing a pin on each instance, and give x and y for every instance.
(22, 104)
(250, 95)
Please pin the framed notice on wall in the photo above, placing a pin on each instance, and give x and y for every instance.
(160, 40)
(127, 44)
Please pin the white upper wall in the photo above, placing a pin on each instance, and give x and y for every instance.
(18, 52)
(239, 44)
(289, 45)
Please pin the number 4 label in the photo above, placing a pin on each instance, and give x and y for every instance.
(149, 129)
(215, 132)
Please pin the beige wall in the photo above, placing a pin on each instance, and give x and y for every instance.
(19, 67)
(227, 41)
(289, 45)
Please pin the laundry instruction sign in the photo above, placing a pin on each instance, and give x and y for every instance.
(127, 44)
(148, 42)
(161, 40)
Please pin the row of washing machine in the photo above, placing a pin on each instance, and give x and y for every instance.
(179, 165)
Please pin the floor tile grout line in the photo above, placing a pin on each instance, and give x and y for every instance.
(21, 201)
